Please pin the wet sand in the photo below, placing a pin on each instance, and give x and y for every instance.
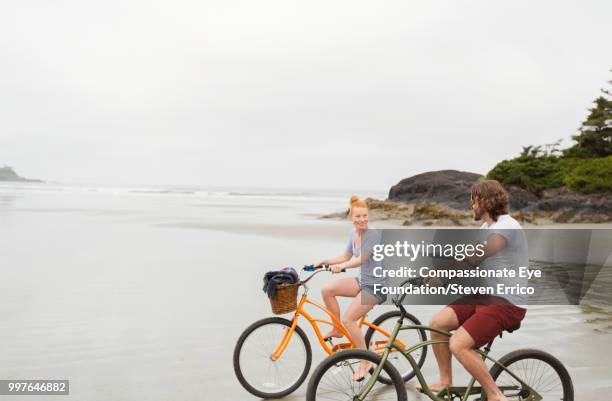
(142, 296)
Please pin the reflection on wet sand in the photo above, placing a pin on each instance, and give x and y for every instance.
(7, 200)
(599, 317)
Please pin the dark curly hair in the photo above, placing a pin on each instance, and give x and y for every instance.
(492, 196)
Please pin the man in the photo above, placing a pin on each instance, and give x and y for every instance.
(478, 323)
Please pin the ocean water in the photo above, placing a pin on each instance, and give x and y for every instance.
(140, 293)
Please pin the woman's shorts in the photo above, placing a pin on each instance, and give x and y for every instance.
(370, 290)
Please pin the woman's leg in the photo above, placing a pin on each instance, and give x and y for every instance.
(344, 287)
(355, 311)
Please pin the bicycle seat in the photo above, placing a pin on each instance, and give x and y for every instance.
(511, 329)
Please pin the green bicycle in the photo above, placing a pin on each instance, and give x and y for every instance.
(522, 375)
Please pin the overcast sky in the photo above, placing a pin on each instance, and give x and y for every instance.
(329, 94)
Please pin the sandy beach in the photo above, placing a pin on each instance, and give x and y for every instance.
(141, 295)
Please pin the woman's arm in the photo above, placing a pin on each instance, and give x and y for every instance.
(332, 261)
(337, 268)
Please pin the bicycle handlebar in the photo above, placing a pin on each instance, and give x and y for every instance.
(318, 269)
(312, 268)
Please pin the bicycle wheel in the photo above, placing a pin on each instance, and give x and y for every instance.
(377, 342)
(539, 370)
(332, 379)
(257, 372)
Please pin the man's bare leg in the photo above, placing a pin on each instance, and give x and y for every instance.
(447, 320)
(462, 346)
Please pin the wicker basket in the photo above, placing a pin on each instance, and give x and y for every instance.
(285, 299)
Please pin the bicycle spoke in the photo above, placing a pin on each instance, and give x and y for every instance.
(538, 374)
(337, 384)
(257, 366)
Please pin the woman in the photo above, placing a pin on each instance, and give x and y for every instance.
(364, 298)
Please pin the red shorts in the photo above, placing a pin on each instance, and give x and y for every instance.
(485, 322)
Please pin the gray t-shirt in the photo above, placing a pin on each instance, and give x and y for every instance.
(369, 238)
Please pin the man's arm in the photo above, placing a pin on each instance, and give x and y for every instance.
(495, 243)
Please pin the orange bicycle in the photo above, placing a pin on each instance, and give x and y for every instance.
(272, 357)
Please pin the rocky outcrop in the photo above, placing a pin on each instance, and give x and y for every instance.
(563, 205)
(442, 198)
(422, 214)
(447, 187)
(520, 198)
(449, 190)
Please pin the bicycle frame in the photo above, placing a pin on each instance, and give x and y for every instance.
(463, 392)
(334, 322)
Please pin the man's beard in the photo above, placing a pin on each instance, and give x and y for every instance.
(478, 214)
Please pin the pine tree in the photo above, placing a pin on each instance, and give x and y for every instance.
(595, 137)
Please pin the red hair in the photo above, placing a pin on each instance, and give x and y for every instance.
(356, 202)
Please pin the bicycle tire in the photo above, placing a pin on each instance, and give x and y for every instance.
(395, 315)
(534, 354)
(334, 360)
(238, 349)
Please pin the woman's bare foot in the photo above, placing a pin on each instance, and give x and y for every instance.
(362, 370)
(335, 333)
(435, 387)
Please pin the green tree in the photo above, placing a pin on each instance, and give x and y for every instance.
(595, 137)
(589, 175)
(585, 167)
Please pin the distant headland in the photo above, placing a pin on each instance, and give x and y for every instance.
(8, 174)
